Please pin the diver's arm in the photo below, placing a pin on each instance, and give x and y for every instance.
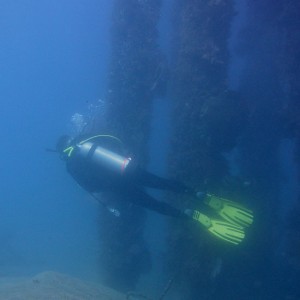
(112, 210)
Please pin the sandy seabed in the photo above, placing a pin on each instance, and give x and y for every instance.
(54, 286)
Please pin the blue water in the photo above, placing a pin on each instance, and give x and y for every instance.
(54, 65)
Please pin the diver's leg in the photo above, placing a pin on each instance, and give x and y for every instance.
(141, 198)
(147, 179)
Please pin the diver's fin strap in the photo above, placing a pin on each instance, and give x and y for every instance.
(203, 219)
(230, 211)
(226, 231)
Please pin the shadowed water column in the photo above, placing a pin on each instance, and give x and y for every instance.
(290, 72)
(132, 84)
(261, 85)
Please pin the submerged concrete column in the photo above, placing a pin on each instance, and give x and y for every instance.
(133, 78)
(206, 121)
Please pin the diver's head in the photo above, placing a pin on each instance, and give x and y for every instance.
(63, 143)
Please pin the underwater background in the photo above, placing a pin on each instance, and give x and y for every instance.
(206, 92)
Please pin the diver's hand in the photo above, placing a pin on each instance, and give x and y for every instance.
(200, 195)
(114, 211)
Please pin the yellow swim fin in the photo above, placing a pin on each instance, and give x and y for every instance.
(221, 229)
(230, 211)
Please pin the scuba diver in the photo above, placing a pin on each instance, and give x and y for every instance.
(99, 164)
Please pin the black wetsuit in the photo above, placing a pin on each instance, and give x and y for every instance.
(129, 186)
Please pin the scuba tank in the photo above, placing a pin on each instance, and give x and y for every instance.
(103, 158)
